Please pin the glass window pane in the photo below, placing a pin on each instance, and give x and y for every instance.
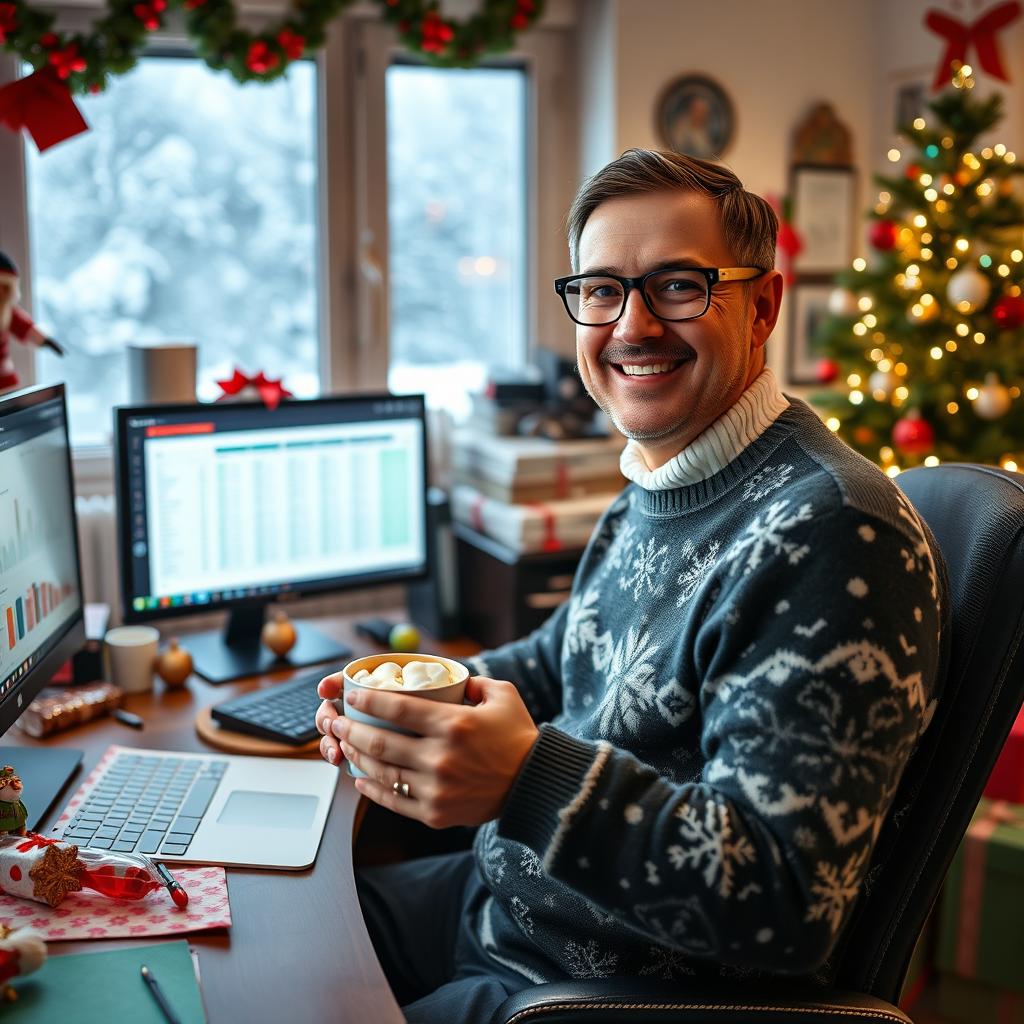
(457, 219)
(187, 212)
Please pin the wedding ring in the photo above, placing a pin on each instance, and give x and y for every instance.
(400, 788)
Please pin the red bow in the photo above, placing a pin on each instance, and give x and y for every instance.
(982, 33)
(34, 841)
(42, 105)
(271, 391)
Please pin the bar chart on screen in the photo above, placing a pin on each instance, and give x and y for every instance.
(37, 561)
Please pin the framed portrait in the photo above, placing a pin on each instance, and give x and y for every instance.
(695, 116)
(808, 308)
(824, 215)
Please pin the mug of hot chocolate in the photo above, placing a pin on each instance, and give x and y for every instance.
(419, 675)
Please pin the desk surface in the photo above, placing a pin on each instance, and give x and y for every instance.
(297, 947)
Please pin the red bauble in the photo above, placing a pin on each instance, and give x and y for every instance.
(913, 172)
(913, 435)
(1008, 312)
(883, 235)
(826, 371)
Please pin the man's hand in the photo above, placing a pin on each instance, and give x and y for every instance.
(460, 767)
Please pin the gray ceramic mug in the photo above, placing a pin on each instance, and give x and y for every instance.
(453, 693)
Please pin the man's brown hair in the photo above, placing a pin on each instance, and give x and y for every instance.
(749, 224)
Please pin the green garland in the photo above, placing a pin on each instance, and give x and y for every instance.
(86, 61)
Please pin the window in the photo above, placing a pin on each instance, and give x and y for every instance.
(187, 212)
(456, 160)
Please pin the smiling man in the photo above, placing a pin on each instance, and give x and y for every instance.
(685, 769)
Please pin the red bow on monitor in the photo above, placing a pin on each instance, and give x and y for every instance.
(270, 391)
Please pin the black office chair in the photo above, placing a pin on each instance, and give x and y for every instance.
(977, 516)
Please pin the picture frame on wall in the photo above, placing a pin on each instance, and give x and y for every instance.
(808, 307)
(694, 115)
(909, 95)
(824, 216)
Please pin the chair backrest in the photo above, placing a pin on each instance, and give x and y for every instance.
(976, 514)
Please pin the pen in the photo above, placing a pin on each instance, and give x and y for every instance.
(127, 718)
(174, 887)
(158, 995)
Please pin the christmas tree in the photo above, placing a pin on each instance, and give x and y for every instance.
(925, 335)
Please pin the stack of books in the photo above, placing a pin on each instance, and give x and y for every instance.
(530, 493)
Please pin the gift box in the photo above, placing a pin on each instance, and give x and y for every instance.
(969, 1002)
(1007, 779)
(981, 920)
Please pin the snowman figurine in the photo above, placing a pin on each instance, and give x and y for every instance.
(13, 812)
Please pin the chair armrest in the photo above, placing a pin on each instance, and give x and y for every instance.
(638, 1001)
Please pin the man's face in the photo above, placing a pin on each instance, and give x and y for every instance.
(712, 359)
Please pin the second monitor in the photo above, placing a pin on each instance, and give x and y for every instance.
(235, 506)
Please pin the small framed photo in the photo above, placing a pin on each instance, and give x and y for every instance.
(824, 214)
(808, 308)
(695, 116)
(910, 93)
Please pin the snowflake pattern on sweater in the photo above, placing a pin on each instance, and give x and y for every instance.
(730, 696)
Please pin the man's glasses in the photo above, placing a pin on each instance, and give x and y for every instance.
(595, 300)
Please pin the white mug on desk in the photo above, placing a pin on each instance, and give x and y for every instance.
(129, 655)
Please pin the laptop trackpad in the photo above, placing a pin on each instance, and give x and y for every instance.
(268, 810)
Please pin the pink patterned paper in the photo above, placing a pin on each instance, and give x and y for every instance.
(88, 915)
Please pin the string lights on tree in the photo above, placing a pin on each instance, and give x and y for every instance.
(923, 337)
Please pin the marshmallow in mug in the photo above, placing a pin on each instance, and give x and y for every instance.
(415, 675)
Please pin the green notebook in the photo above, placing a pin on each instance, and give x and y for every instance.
(105, 987)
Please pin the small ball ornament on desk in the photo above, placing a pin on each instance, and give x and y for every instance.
(279, 634)
(174, 664)
(913, 435)
(968, 289)
(993, 399)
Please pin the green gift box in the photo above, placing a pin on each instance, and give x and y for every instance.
(981, 920)
(969, 1002)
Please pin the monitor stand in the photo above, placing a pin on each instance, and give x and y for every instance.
(44, 772)
(220, 657)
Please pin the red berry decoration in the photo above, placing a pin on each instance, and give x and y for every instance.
(883, 235)
(1008, 312)
(913, 435)
(826, 371)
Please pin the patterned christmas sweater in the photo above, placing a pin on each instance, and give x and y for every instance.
(749, 655)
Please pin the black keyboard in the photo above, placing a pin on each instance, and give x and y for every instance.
(284, 713)
(148, 804)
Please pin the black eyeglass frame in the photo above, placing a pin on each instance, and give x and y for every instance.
(713, 276)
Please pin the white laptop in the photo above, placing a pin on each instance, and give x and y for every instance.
(189, 808)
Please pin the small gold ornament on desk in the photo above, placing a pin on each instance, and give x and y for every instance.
(174, 665)
(279, 634)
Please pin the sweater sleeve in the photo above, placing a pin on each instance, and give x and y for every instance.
(818, 662)
(532, 664)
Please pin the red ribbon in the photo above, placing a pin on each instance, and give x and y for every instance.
(42, 105)
(551, 541)
(270, 391)
(34, 841)
(981, 33)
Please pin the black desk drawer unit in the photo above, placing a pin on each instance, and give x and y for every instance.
(503, 594)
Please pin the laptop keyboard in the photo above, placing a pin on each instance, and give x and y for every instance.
(285, 713)
(150, 804)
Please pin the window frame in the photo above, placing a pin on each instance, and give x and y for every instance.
(350, 106)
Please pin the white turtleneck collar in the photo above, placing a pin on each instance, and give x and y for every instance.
(741, 424)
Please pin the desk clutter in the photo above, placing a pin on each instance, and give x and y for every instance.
(976, 933)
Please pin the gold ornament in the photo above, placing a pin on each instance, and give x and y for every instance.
(279, 634)
(56, 874)
(174, 665)
(993, 399)
(921, 314)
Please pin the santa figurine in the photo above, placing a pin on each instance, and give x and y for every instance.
(15, 323)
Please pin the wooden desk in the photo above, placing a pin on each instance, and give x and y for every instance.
(297, 948)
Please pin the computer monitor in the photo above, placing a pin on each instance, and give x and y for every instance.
(41, 611)
(235, 506)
